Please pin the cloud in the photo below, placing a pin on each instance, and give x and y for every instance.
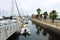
(50, 2)
(5, 5)
(31, 5)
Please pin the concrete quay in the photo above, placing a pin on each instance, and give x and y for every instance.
(54, 28)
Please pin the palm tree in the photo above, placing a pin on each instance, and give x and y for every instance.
(41, 16)
(37, 16)
(45, 15)
(53, 15)
(38, 10)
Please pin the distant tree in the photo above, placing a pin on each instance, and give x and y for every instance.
(33, 16)
(37, 16)
(38, 10)
(53, 15)
(45, 15)
(41, 16)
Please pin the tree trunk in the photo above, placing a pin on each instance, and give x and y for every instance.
(44, 20)
(52, 20)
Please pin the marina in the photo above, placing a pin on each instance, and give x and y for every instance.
(29, 20)
(37, 33)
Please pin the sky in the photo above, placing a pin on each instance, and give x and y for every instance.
(28, 7)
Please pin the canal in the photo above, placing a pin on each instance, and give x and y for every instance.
(37, 33)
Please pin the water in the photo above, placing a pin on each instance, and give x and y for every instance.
(37, 33)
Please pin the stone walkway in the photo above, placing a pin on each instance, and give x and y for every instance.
(56, 24)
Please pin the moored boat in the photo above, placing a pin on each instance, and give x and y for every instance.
(25, 30)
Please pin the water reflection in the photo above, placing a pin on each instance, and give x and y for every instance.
(38, 29)
(25, 35)
(44, 32)
(37, 33)
(32, 23)
(51, 37)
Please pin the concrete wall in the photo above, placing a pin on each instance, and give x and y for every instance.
(46, 26)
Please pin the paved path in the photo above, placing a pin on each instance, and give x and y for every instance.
(56, 24)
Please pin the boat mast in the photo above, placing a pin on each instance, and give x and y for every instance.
(12, 6)
(17, 8)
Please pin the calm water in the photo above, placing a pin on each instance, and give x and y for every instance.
(37, 33)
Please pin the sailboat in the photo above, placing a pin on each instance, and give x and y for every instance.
(23, 29)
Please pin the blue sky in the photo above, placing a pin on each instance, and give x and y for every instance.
(28, 7)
